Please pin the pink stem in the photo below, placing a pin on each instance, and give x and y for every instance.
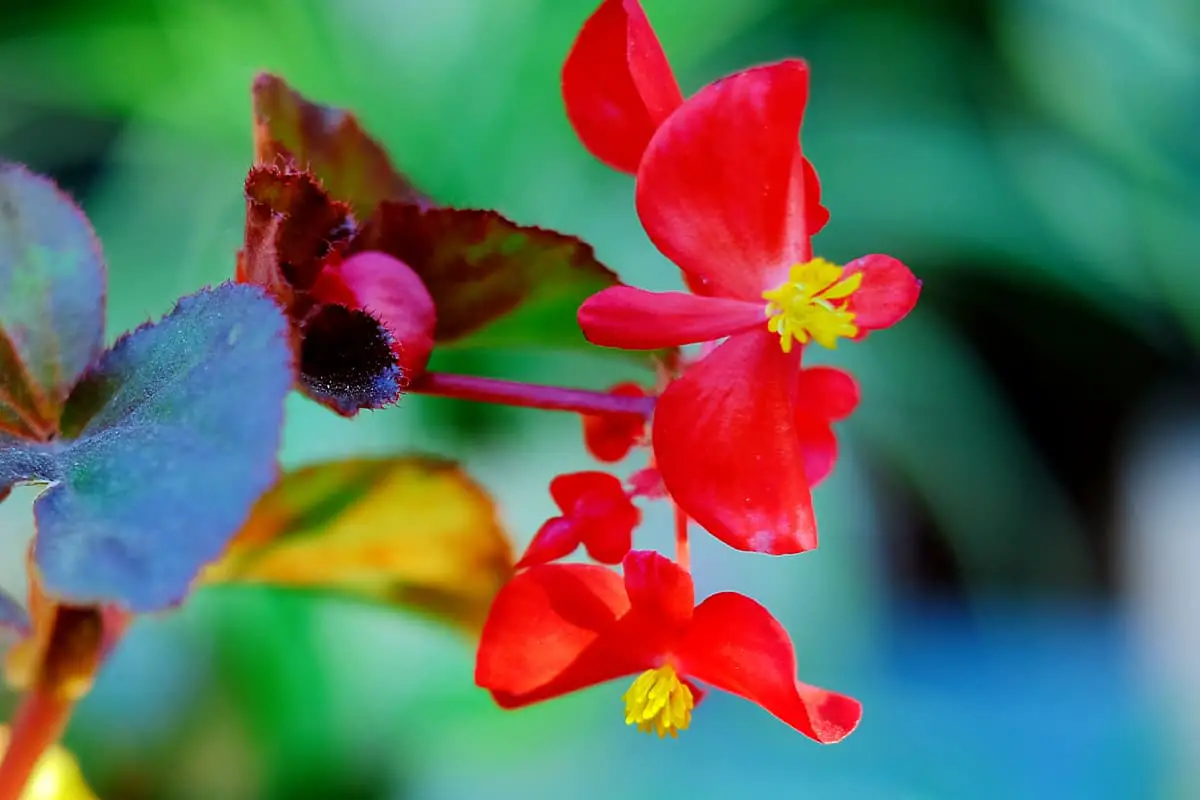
(683, 556)
(529, 395)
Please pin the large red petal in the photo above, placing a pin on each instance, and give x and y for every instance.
(725, 441)
(617, 84)
(717, 189)
(635, 319)
(554, 629)
(736, 645)
(888, 292)
(659, 588)
(827, 392)
(388, 290)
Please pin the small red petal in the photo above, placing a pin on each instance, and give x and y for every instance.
(610, 437)
(734, 644)
(635, 319)
(659, 588)
(647, 482)
(392, 293)
(820, 447)
(816, 215)
(827, 393)
(718, 189)
(888, 292)
(617, 84)
(557, 538)
(600, 511)
(725, 441)
(824, 394)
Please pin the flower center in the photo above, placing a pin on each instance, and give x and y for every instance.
(658, 701)
(811, 304)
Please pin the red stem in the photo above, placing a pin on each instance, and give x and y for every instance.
(683, 556)
(529, 395)
(40, 721)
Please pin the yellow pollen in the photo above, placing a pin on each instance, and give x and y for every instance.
(811, 304)
(658, 701)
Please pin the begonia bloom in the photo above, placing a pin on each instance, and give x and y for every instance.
(559, 628)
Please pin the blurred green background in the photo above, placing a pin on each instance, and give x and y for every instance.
(1006, 577)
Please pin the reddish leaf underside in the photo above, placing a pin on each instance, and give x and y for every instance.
(330, 143)
(494, 282)
(481, 267)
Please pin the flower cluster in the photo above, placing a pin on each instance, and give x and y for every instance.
(741, 430)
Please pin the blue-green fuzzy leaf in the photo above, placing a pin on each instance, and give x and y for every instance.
(52, 282)
(171, 438)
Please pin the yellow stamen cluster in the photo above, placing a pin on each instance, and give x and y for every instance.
(807, 305)
(658, 701)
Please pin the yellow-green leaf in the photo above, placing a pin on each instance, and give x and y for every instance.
(414, 532)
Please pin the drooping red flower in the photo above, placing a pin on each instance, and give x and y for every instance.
(824, 396)
(559, 628)
(618, 88)
(721, 192)
(363, 323)
(610, 437)
(596, 512)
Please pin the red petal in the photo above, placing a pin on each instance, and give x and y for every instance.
(647, 482)
(888, 292)
(816, 215)
(820, 447)
(610, 437)
(829, 393)
(659, 588)
(557, 538)
(635, 319)
(725, 441)
(557, 628)
(597, 506)
(392, 293)
(736, 645)
(617, 84)
(716, 190)
(824, 394)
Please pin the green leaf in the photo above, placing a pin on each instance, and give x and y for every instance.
(414, 532)
(171, 438)
(52, 282)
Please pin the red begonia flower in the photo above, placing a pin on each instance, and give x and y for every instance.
(721, 192)
(618, 88)
(596, 512)
(558, 628)
(610, 437)
(825, 395)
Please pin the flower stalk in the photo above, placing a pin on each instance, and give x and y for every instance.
(40, 721)
(529, 395)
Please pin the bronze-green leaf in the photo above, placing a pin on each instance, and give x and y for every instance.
(413, 532)
(329, 142)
